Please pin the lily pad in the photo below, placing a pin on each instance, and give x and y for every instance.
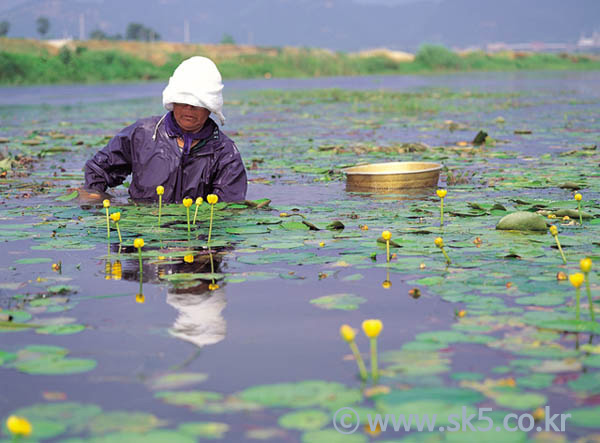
(345, 302)
(306, 420)
(522, 221)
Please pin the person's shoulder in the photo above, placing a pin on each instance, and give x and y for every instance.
(148, 122)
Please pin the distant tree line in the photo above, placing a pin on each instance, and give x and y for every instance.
(4, 27)
(134, 31)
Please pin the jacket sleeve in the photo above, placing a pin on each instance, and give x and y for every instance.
(110, 166)
(230, 182)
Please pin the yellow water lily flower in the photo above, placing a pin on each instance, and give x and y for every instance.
(106, 203)
(441, 193)
(578, 197)
(115, 216)
(386, 284)
(18, 426)
(213, 286)
(321, 244)
(139, 298)
(553, 230)
(199, 201)
(212, 199)
(576, 279)
(585, 264)
(386, 235)
(188, 258)
(372, 327)
(347, 333)
(138, 243)
(160, 190)
(187, 202)
(439, 242)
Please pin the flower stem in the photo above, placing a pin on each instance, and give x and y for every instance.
(159, 208)
(589, 295)
(374, 371)
(188, 219)
(442, 211)
(359, 361)
(577, 301)
(140, 260)
(560, 249)
(212, 208)
(579, 209)
(387, 245)
(446, 256)
(119, 232)
(195, 214)
(107, 225)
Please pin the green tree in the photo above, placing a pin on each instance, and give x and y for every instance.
(137, 31)
(227, 39)
(4, 27)
(43, 26)
(98, 34)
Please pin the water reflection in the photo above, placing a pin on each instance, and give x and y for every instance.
(199, 303)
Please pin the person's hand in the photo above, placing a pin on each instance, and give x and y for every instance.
(87, 195)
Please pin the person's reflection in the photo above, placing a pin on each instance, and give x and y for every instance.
(199, 303)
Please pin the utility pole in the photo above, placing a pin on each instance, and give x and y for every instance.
(186, 31)
(81, 27)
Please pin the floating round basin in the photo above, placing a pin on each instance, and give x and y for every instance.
(392, 175)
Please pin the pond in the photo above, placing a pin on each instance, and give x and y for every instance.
(95, 349)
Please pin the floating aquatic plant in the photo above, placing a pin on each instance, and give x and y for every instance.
(106, 204)
(578, 198)
(554, 232)
(348, 334)
(387, 235)
(189, 258)
(198, 203)
(159, 191)
(439, 242)
(116, 216)
(441, 193)
(187, 202)
(586, 266)
(212, 200)
(576, 280)
(18, 426)
(372, 328)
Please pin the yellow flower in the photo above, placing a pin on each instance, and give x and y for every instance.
(439, 242)
(386, 284)
(321, 244)
(187, 202)
(553, 230)
(461, 313)
(364, 227)
(139, 298)
(386, 235)
(117, 270)
(347, 333)
(578, 197)
(56, 267)
(585, 264)
(138, 243)
(160, 190)
(283, 214)
(213, 286)
(560, 275)
(372, 327)
(115, 216)
(539, 414)
(212, 199)
(576, 279)
(106, 203)
(441, 193)
(551, 216)
(18, 425)
(566, 218)
(199, 201)
(188, 258)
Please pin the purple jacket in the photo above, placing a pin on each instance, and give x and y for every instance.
(153, 157)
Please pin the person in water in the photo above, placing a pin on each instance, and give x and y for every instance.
(184, 150)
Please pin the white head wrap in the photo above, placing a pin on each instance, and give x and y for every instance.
(197, 82)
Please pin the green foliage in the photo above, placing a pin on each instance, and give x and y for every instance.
(4, 28)
(227, 39)
(137, 31)
(42, 25)
(438, 57)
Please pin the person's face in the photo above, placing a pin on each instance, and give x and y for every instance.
(190, 118)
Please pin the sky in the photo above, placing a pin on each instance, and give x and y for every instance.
(339, 25)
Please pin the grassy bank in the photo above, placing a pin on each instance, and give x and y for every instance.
(31, 62)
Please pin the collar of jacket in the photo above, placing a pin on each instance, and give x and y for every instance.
(209, 132)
